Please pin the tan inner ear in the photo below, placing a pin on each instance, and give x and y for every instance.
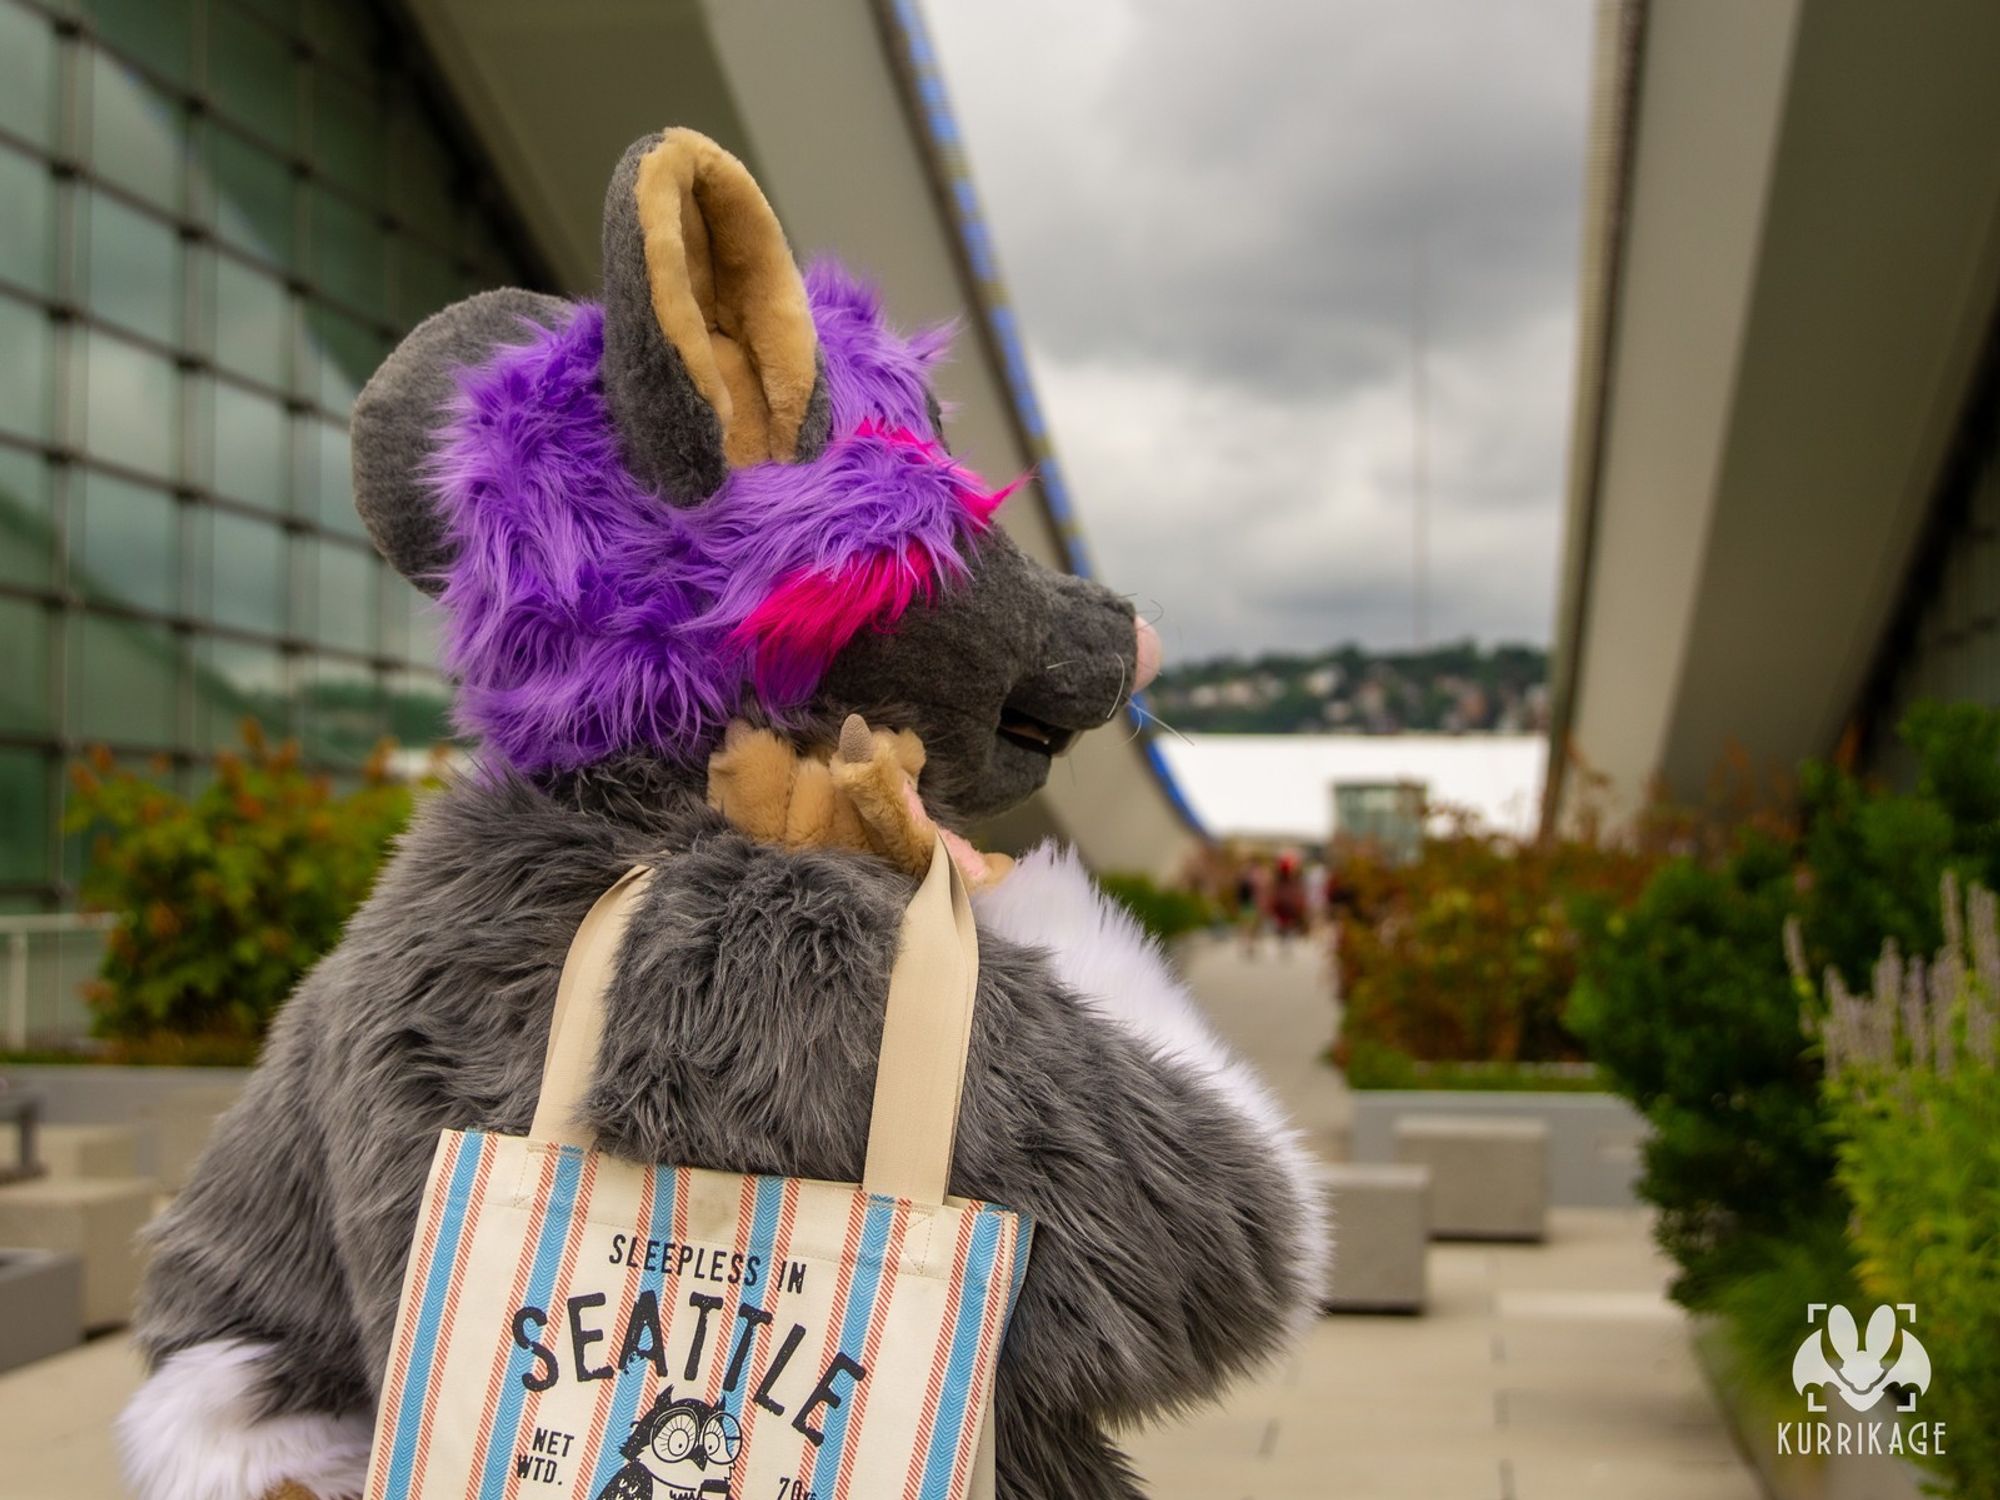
(727, 294)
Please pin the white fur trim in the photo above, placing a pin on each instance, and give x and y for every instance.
(191, 1434)
(1097, 949)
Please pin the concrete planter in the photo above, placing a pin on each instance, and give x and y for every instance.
(170, 1109)
(41, 1305)
(1593, 1140)
(1754, 1425)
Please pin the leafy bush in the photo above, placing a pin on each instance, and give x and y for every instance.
(1165, 911)
(1468, 952)
(1686, 1001)
(224, 899)
(1369, 1065)
(1914, 1093)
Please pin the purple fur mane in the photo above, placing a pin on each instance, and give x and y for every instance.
(587, 616)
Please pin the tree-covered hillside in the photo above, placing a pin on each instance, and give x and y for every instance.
(1453, 689)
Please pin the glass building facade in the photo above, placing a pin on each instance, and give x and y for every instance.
(216, 217)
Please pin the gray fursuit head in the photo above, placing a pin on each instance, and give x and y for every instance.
(720, 492)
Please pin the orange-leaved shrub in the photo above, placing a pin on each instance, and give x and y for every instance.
(224, 898)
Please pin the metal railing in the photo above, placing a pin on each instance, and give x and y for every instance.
(49, 957)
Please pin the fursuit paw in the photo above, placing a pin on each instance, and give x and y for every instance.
(861, 795)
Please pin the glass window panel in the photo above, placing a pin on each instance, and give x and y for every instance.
(25, 794)
(137, 133)
(249, 579)
(253, 197)
(350, 137)
(342, 353)
(129, 404)
(252, 321)
(27, 519)
(350, 251)
(346, 593)
(421, 188)
(27, 73)
(333, 480)
(26, 253)
(395, 594)
(24, 686)
(347, 34)
(253, 74)
(425, 282)
(158, 33)
(122, 681)
(135, 270)
(130, 545)
(251, 454)
(24, 374)
(346, 713)
(284, 13)
(234, 681)
(426, 630)
(419, 709)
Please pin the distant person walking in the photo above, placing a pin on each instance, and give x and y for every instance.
(1287, 899)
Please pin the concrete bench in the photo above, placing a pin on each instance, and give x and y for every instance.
(1381, 1222)
(98, 1221)
(184, 1120)
(88, 1150)
(41, 1305)
(1489, 1176)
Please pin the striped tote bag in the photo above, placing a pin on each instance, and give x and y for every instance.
(581, 1327)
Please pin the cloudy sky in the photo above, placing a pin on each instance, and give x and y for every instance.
(1210, 214)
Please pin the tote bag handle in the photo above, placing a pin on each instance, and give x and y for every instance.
(926, 1030)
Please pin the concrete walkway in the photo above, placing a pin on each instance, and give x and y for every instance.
(1541, 1372)
(1549, 1372)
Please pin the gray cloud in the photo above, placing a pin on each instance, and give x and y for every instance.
(1210, 215)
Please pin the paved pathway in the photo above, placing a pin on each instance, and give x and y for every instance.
(1550, 1372)
(1540, 1372)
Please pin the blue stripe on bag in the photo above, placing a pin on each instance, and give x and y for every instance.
(437, 1278)
(763, 1245)
(950, 1429)
(541, 1281)
(854, 1327)
(632, 1379)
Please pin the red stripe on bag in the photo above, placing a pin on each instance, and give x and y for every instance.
(878, 1318)
(989, 1328)
(452, 1289)
(635, 1267)
(934, 1391)
(649, 1383)
(732, 1297)
(850, 1250)
(579, 1223)
(399, 1369)
(504, 1356)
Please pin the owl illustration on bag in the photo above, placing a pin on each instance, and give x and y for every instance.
(679, 1450)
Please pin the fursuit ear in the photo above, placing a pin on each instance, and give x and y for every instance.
(710, 358)
(398, 412)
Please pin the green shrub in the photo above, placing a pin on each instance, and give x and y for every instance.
(1686, 1002)
(1467, 953)
(1915, 1099)
(1164, 911)
(224, 899)
(1369, 1065)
